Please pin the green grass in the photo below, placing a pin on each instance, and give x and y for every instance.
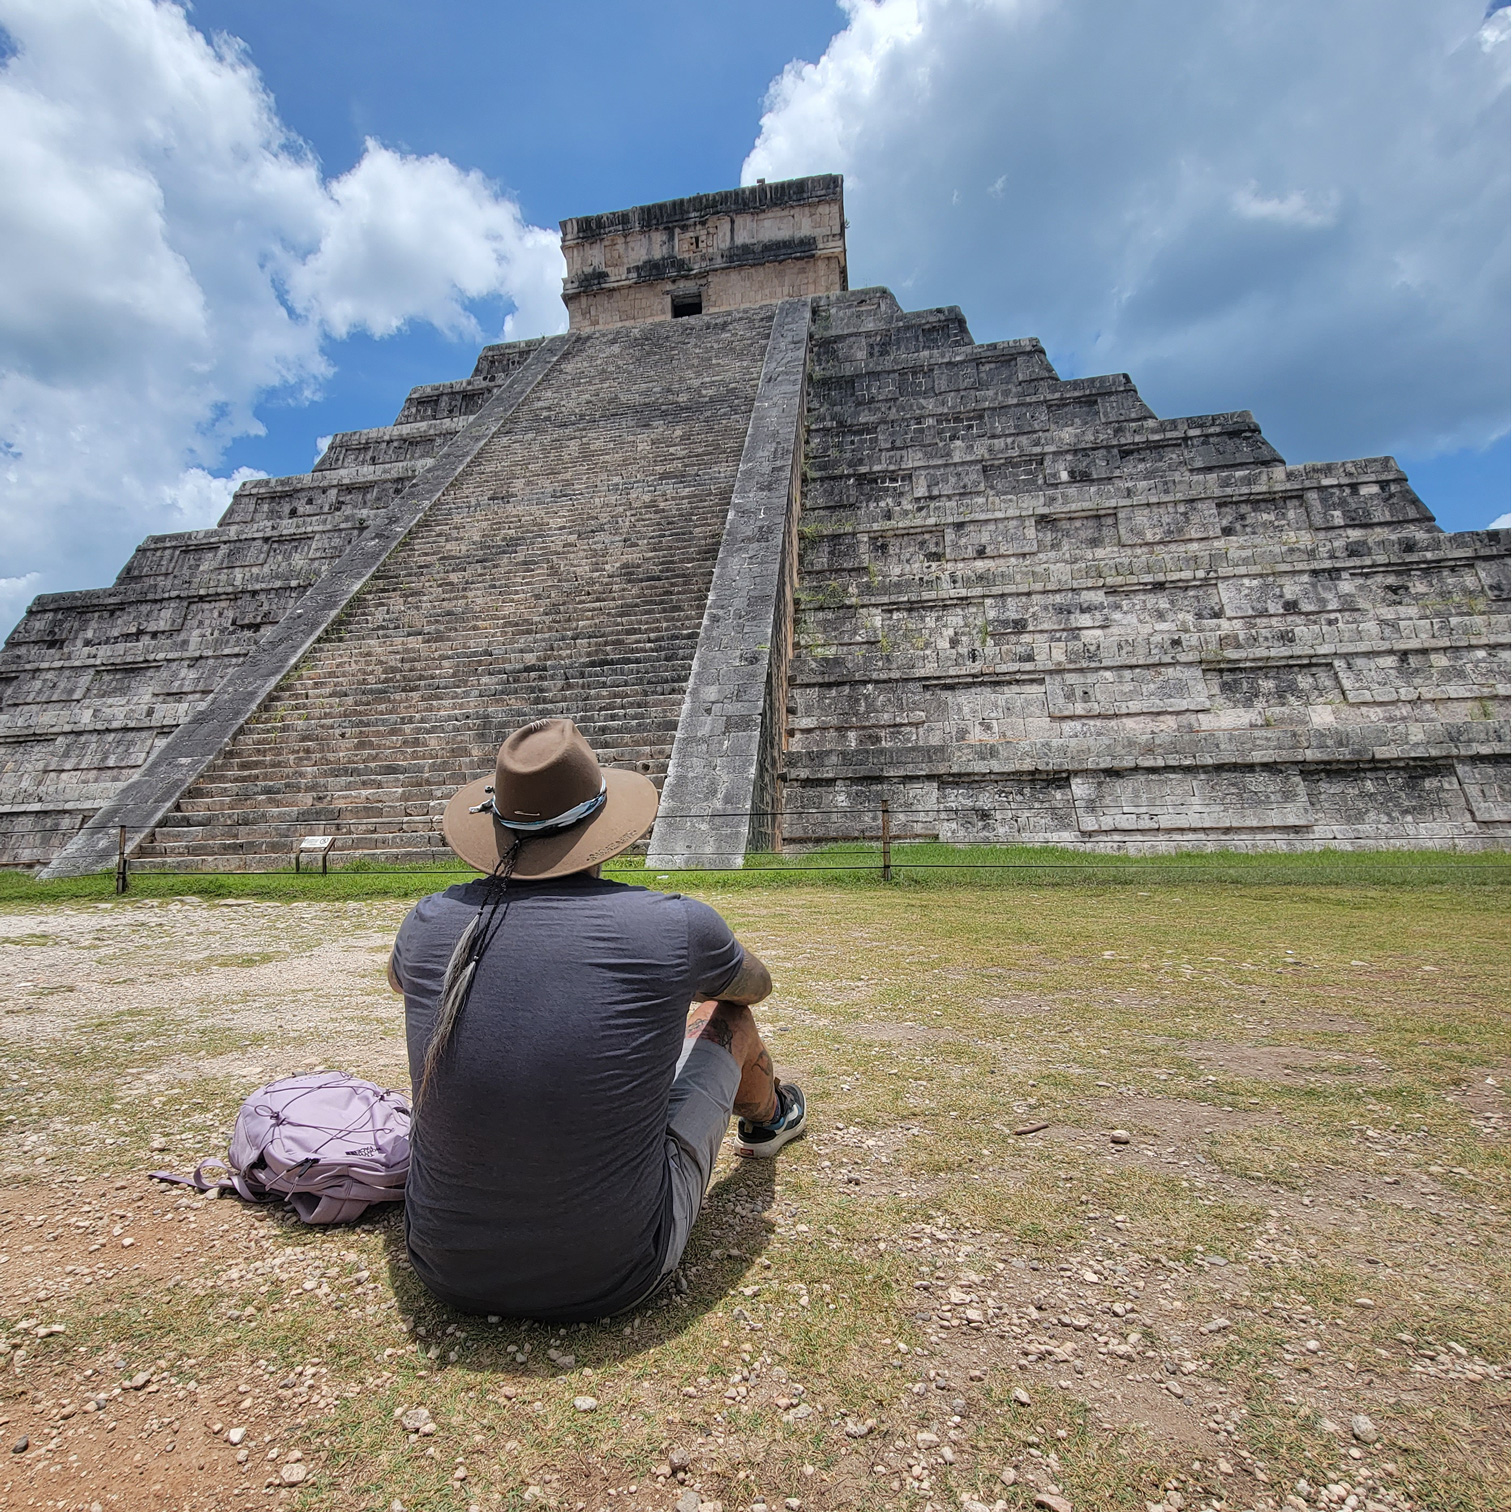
(915, 865)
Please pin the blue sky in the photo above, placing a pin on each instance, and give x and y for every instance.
(236, 227)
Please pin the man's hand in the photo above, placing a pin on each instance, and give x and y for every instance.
(393, 979)
(751, 983)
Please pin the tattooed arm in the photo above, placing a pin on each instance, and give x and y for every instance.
(750, 984)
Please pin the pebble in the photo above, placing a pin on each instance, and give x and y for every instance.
(1021, 1396)
(1119, 1136)
(585, 1403)
(292, 1475)
(1008, 1475)
(1363, 1429)
(21, 1445)
(1033, 1128)
(677, 1459)
(235, 1436)
(688, 1502)
(139, 1380)
(1052, 1503)
(416, 1420)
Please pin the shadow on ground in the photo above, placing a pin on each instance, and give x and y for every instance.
(731, 1233)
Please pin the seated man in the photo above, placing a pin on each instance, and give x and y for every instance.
(569, 1106)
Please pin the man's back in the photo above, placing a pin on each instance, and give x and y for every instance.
(539, 1184)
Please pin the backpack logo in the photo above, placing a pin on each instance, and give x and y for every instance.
(365, 1150)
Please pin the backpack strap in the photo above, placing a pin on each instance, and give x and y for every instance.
(234, 1182)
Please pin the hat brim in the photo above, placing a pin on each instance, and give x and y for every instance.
(630, 805)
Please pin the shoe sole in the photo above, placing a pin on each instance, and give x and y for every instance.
(769, 1148)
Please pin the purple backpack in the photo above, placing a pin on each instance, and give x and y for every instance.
(329, 1144)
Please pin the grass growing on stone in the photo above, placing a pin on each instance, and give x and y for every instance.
(1307, 1227)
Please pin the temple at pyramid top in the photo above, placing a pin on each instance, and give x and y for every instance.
(706, 253)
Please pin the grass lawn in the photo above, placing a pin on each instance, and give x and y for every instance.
(1290, 1282)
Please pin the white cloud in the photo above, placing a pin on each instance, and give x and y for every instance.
(200, 498)
(1294, 208)
(170, 254)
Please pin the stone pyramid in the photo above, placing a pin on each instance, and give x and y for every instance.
(792, 551)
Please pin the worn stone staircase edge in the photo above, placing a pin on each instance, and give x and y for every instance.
(143, 801)
(721, 777)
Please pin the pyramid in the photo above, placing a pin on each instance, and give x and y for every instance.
(794, 552)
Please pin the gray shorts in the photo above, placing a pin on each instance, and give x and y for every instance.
(703, 1098)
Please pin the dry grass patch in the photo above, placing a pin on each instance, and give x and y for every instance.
(916, 1306)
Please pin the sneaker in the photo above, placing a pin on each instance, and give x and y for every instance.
(763, 1141)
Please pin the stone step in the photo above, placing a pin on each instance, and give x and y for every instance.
(565, 571)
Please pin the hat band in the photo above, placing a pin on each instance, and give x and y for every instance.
(566, 820)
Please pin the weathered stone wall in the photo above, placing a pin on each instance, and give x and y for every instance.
(726, 251)
(720, 795)
(1031, 611)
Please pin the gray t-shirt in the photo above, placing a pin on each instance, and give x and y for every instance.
(538, 1182)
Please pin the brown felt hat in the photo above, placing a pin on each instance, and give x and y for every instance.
(549, 797)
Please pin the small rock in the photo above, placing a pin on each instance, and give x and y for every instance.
(792, 1504)
(159, 1143)
(1052, 1503)
(1119, 1136)
(459, 1474)
(235, 1436)
(677, 1459)
(139, 1380)
(585, 1403)
(1033, 1128)
(1363, 1429)
(1216, 1326)
(688, 1502)
(416, 1420)
(292, 1475)
(1021, 1396)
(21, 1445)
(926, 1440)
(127, 1242)
(1008, 1475)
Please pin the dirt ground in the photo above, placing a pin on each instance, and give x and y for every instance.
(1253, 1253)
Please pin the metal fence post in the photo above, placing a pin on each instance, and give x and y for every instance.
(122, 879)
(886, 842)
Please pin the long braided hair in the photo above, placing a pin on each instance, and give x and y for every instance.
(461, 969)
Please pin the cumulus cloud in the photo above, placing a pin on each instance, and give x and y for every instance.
(1274, 205)
(170, 255)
